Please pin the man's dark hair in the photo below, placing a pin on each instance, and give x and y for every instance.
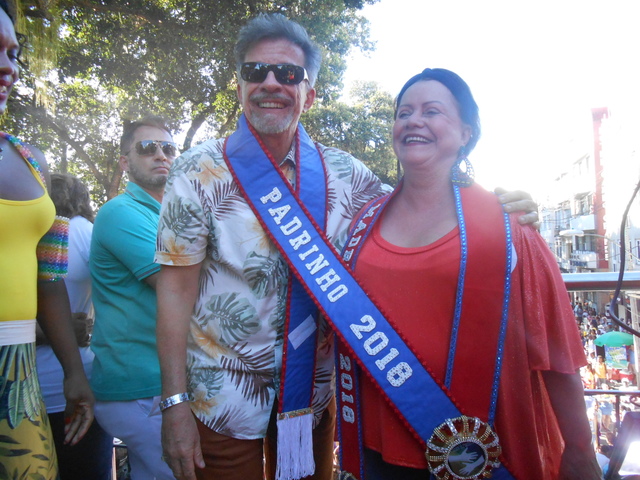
(275, 26)
(130, 128)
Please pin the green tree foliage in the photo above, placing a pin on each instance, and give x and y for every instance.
(118, 60)
(362, 128)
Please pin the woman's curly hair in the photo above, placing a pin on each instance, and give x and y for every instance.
(70, 196)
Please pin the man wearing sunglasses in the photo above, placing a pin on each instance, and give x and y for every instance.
(126, 372)
(235, 345)
(225, 333)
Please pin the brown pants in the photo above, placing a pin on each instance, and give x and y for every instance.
(228, 458)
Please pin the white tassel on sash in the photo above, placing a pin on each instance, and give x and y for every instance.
(295, 445)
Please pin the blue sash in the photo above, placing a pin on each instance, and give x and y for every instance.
(352, 459)
(254, 168)
(328, 281)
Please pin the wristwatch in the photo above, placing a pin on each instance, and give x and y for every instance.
(174, 400)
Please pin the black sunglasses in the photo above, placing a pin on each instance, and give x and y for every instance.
(286, 73)
(149, 147)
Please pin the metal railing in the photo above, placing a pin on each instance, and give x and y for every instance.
(607, 281)
(617, 394)
(598, 281)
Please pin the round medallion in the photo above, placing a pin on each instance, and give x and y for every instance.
(463, 448)
(346, 476)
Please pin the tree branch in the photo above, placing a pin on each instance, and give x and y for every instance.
(230, 122)
(110, 185)
(63, 133)
(196, 123)
(155, 17)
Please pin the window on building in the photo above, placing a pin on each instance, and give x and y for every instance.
(584, 204)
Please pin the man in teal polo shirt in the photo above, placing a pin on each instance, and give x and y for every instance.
(126, 372)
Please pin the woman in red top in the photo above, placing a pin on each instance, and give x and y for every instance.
(410, 265)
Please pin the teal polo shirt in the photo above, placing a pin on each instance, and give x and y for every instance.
(123, 244)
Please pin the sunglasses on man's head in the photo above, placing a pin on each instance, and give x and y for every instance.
(285, 73)
(149, 147)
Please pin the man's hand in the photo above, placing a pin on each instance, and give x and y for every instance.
(519, 201)
(78, 413)
(181, 442)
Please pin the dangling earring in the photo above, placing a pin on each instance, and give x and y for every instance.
(462, 173)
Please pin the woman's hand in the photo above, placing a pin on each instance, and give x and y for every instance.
(567, 400)
(78, 414)
(576, 464)
(54, 316)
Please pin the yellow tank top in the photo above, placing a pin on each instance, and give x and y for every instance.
(22, 224)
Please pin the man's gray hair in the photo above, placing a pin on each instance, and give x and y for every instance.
(275, 26)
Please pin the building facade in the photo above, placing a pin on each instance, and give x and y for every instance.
(582, 213)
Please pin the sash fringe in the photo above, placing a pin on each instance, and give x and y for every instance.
(295, 446)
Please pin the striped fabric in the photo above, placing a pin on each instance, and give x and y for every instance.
(53, 251)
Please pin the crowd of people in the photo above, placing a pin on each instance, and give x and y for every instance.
(604, 372)
(217, 293)
(597, 374)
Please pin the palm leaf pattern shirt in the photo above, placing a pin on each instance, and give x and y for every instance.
(234, 351)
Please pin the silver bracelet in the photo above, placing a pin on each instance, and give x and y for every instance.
(174, 400)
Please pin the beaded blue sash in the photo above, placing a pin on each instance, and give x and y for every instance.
(457, 446)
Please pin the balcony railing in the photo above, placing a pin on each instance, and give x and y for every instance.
(632, 394)
(598, 281)
(630, 433)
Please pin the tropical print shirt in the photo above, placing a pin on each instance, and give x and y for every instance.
(234, 351)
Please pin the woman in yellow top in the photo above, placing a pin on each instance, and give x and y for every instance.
(26, 214)
(601, 372)
(589, 377)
